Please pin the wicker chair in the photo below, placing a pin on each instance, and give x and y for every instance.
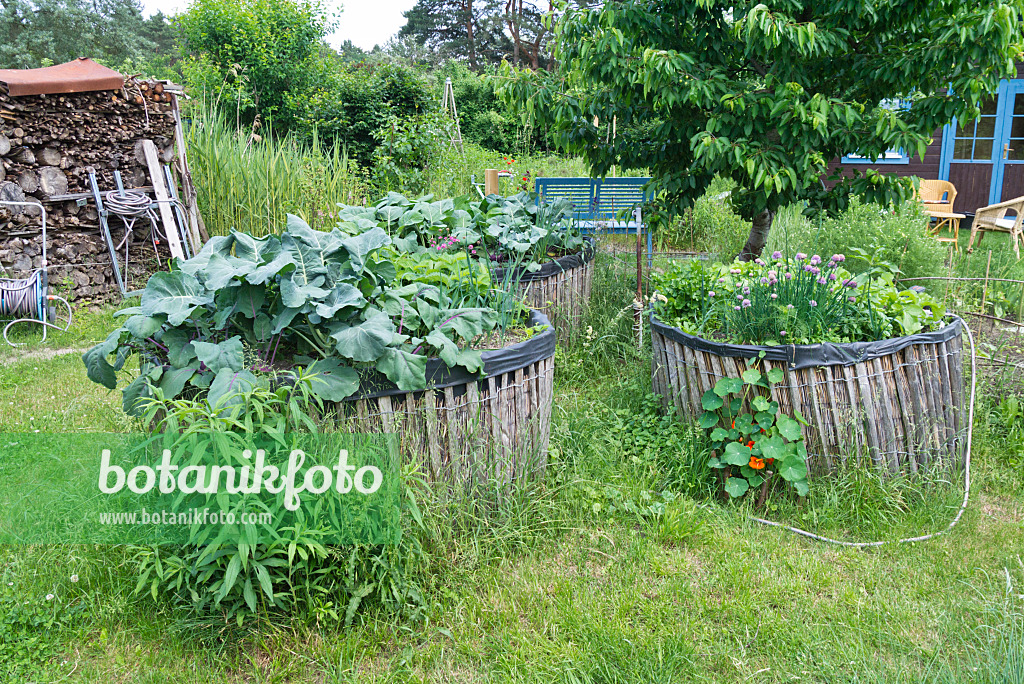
(993, 218)
(937, 195)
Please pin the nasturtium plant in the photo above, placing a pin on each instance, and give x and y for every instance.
(245, 308)
(752, 440)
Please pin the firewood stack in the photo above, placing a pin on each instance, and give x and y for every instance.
(48, 143)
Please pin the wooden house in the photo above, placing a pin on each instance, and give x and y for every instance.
(983, 159)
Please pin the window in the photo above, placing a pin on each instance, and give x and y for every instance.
(890, 156)
(974, 140)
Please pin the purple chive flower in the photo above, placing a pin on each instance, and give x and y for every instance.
(711, 293)
(721, 280)
(852, 285)
(764, 281)
(838, 258)
(815, 260)
(776, 255)
(814, 303)
(746, 290)
(760, 262)
(833, 277)
(736, 307)
(815, 270)
(822, 280)
(745, 303)
(739, 296)
(789, 276)
(774, 296)
(808, 268)
(800, 256)
(789, 306)
(917, 288)
(782, 333)
(853, 299)
(734, 271)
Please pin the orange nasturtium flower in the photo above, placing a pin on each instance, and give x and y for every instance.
(756, 463)
(750, 443)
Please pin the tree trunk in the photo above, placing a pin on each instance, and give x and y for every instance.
(470, 38)
(758, 237)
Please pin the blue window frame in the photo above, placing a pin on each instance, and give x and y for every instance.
(894, 156)
(890, 157)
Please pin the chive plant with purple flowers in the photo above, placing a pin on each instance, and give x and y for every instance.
(802, 299)
(799, 298)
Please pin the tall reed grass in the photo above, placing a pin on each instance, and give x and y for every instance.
(249, 180)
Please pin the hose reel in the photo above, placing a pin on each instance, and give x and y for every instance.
(27, 300)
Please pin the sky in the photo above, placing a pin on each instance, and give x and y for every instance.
(365, 22)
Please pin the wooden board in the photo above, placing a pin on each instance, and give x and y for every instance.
(156, 175)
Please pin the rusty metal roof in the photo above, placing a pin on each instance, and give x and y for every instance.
(80, 76)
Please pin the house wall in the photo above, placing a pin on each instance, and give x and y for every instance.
(972, 181)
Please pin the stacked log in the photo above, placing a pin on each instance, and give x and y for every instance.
(48, 144)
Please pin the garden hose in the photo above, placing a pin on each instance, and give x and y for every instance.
(967, 480)
(39, 321)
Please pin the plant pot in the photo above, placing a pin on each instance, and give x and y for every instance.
(465, 429)
(560, 288)
(898, 403)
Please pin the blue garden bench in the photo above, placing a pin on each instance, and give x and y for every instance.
(607, 205)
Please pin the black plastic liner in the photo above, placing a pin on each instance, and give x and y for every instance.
(811, 355)
(496, 362)
(556, 266)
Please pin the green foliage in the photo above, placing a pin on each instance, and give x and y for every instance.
(244, 306)
(255, 569)
(897, 234)
(765, 96)
(40, 33)
(751, 440)
(354, 104)
(247, 182)
(406, 150)
(274, 43)
(29, 629)
(799, 300)
(483, 118)
(647, 436)
(512, 232)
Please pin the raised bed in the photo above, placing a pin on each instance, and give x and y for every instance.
(560, 288)
(897, 403)
(466, 429)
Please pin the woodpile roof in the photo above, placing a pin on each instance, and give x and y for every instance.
(79, 76)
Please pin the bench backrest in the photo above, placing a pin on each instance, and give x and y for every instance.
(595, 198)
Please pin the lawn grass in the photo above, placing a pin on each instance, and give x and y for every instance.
(577, 579)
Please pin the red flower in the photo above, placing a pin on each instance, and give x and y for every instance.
(750, 443)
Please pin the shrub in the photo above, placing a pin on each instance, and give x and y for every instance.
(897, 235)
(275, 43)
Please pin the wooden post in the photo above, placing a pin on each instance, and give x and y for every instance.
(984, 291)
(491, 186)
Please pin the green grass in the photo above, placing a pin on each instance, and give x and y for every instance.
(594, 575)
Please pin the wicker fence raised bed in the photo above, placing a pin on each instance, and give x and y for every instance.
(466, 429)
(560, 288)
(898, 403)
